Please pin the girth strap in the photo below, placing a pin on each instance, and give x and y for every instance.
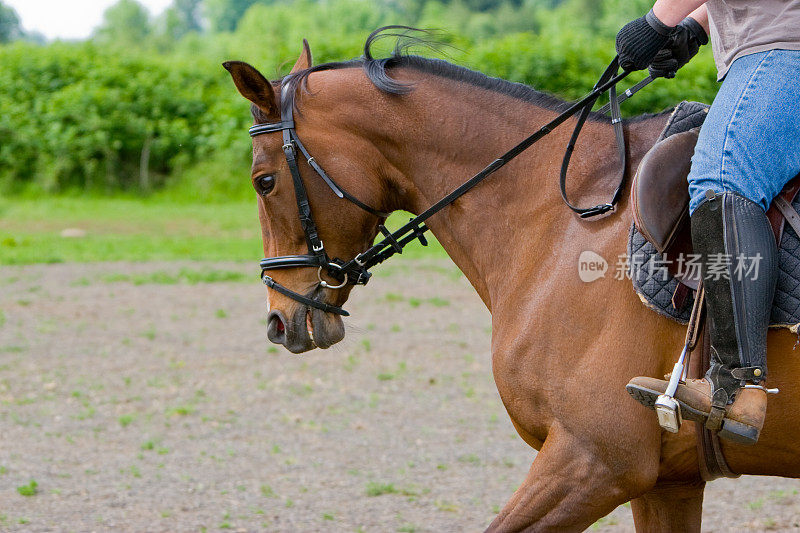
(709, 449)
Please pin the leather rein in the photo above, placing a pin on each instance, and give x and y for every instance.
(356, 270)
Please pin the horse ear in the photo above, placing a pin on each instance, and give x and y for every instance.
(304, 61)
(253, 86)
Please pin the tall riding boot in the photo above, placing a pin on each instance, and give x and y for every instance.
(739, 266)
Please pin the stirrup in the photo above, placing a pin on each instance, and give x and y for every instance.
(762, 387)
(667, 408)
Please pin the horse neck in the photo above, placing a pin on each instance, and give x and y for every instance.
(513, 229)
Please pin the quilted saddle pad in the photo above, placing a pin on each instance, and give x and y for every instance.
(656, 289)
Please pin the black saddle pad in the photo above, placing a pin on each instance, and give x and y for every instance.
(655, 286)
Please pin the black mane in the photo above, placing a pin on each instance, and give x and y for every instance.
(377, 70)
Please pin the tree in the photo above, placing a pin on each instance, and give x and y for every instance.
(182, 17)
(224, 15)
(488, 5)
(126, 23)
(10, 28)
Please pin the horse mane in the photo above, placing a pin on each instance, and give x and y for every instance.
(378, 72)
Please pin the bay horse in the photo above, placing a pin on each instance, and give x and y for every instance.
(400, 133)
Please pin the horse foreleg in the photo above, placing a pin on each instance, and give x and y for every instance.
(571, 485)
(667, 508)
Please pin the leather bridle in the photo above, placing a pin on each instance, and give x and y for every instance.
(317, 256)
(356, 270)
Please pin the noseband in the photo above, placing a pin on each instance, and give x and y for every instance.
(356, 270)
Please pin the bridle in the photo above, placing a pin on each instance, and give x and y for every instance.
(346, 272)
(356, 270)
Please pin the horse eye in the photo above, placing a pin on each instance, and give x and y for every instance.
(265, 184)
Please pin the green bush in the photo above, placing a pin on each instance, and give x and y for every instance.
(162, 115)
(78, 117)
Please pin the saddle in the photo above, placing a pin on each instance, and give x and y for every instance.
(661, 229)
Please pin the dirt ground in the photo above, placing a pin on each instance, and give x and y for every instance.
(137, 403)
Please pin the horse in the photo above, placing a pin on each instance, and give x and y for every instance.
(401, 132)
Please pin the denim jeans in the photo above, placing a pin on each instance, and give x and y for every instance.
(750, 141)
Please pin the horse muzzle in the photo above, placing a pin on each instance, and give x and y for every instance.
(307, 328)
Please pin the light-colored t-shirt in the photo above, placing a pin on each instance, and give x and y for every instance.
(742, 27)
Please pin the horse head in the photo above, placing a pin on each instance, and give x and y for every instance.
(304, 305)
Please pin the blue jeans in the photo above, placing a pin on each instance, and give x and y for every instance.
(750, 141)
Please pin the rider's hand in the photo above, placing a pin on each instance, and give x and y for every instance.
(639, 41)
(683, 45)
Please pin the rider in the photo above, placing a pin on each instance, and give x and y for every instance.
(746, 152)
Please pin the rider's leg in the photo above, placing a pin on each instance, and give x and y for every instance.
(728, 226)
(738, 251)
(745, 154)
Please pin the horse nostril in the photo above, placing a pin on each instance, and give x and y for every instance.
(276, 327)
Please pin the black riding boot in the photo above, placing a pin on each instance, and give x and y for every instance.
(739, 258)
(730, 228)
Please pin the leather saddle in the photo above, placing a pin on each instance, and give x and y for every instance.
(660, 200)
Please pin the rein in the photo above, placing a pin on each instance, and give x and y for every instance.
(356, 270)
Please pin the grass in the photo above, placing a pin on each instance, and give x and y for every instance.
(187, 276)
(470, 458)
(379, 489)
(128, 229)
(124, 229)
(181, 410)
(29, 490)
(605, 521)
(756, 504)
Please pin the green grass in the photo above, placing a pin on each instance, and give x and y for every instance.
(30, 489)
(126, 229)
(186, 276)
(182, 410)
(379, 489)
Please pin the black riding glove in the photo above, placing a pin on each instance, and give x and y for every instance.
(639, 41)
(683, 45)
